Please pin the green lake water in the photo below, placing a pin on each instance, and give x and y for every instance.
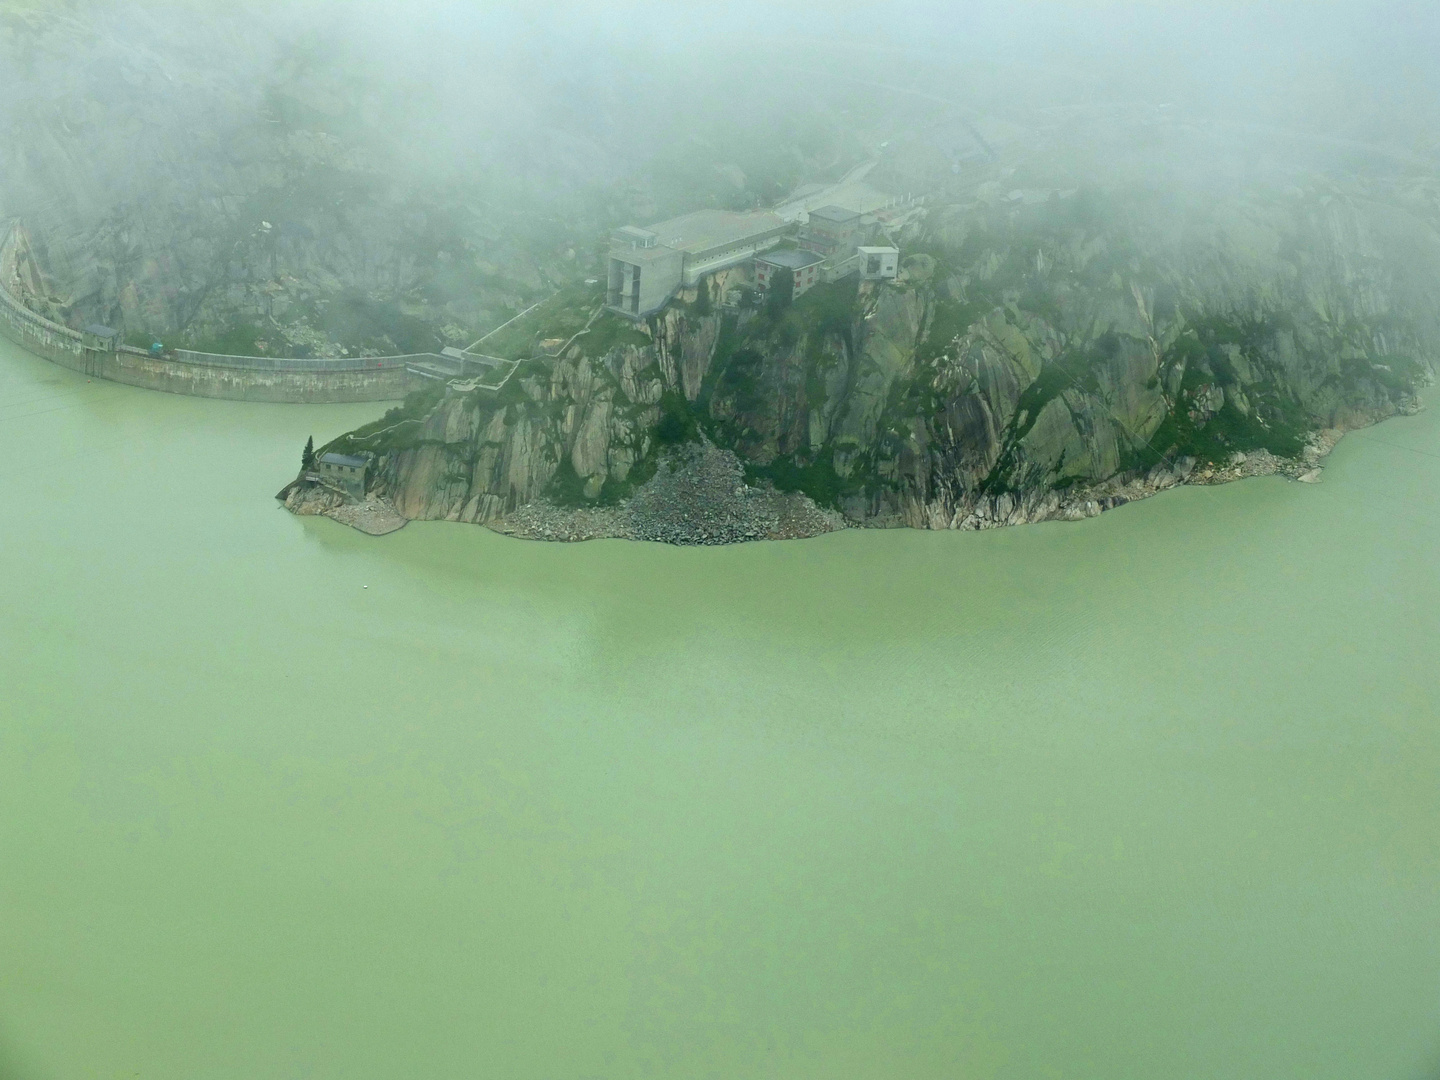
(1153, 796)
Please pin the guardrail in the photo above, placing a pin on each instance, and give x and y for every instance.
(479, 369)
(458, 365)
(281, 363)
(491, 380)
(455, 366)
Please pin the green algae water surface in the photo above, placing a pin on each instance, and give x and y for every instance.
(1151, 796)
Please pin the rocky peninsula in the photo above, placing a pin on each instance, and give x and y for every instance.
(1097, 300)
(1036, 360)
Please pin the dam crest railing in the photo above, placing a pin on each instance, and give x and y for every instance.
(477, 370)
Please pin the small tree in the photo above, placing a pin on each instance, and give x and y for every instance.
(780, 293)
(307, 456)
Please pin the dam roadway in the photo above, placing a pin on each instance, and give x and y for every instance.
(236, 378)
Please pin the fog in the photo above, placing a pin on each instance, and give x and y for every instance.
(446, 86)
(166, 133)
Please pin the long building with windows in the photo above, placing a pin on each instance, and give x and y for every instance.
(649, 265)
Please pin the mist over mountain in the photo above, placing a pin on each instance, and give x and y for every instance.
(452, 156)
(1133, 234)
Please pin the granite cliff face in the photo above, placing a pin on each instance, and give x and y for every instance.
(1040, 357)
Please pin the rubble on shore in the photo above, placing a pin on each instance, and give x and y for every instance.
(698, 496)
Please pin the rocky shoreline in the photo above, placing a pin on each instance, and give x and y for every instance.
(699, 497)
(1004, 510)
(374, 516)
(703, 500)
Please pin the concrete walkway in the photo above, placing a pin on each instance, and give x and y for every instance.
(850, 191)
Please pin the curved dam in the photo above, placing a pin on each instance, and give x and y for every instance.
(238, 378)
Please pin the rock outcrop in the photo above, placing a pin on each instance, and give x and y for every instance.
(311, 498)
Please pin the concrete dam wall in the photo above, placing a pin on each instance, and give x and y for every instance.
(239, 378)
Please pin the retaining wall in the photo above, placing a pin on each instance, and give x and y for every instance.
(247, 383)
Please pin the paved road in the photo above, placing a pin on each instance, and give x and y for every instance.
(850, 191)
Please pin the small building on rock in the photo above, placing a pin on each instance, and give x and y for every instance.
(344, 471)
(879, 263)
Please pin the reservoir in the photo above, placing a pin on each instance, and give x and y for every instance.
(1155, 795)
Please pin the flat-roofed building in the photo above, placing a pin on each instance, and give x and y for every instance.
(100, 338)
(803, 268)
(878, 263)
(833, 231)
(648, 266)
(836, 233)
(345, 471)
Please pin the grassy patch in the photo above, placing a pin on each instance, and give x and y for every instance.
(1072, 370)
(238, 339)
(679, 423)
(612, 331)
(561, 316)
(1398, 375)
(359, 321)
(949, 319)
(1225, 433)
(740, 379)
(1275, 421)
(815, 477)
(828, 308)
(567, 488)
(396, 430)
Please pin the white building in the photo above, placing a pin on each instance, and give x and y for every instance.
(878, 263)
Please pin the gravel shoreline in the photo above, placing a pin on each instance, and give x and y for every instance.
(698, 496)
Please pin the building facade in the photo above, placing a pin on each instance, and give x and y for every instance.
(834, 232)
(649, 265)
(344, 471)
(803, 268)
(878, 263)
